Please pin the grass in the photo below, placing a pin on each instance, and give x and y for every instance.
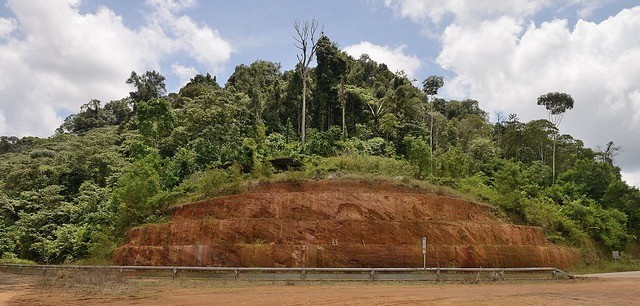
(10, 258)
(217, 182)
(626, 263)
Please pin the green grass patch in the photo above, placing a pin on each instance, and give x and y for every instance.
(626, 263)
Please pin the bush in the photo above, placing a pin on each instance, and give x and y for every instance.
(557, 226)
(607, 226)
(417, 154)
(10, 258)
(362, 164)
(322, 143)
(375, 146)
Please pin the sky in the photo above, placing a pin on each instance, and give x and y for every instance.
(56, 55)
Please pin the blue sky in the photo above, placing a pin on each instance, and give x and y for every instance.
(262, 30)
(58, 54)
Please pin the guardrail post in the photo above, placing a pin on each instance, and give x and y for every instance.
(438, 274)
(44, 270)
(236, 272)
(304, 274)
(372, 275)
(19, 269)
(175, 271)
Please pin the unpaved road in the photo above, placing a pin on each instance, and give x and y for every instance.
(630, 274)
(18, 290)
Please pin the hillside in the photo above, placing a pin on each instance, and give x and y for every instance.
(126, 163)
(338, 223)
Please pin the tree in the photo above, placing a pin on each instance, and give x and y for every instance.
(148, 86)
(607, 153)
(332, 65)
(91, 116)
(260, 81)
(306, 41)
(430, 87)
(556, 104)
(155, 119)
(199, 85)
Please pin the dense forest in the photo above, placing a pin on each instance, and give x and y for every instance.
(122, 163)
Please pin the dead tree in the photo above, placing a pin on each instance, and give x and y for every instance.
(306, 40)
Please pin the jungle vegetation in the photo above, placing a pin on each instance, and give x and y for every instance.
(123, 163)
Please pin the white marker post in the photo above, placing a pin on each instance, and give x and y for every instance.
(424, 252)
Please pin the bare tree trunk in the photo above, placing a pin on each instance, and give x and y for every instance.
(343, 103)
(304, 107)
(431, 136)
(553, 167)
(306, 41)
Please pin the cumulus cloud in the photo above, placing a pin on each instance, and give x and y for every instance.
(505, 61)
(507, 65)
(394, 58)
(463, 11)
(202, 43)
(56, 58)
(184, 73)
(587, 7)
(7, 25)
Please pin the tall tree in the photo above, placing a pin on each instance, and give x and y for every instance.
(332, 65)
(430, 87)
(259, 81)
(342, 98)
(556, 104)
(306, 40)
(148, 86)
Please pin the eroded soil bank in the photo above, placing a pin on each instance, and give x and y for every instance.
(337, 223)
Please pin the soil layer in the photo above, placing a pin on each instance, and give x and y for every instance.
(338, 224)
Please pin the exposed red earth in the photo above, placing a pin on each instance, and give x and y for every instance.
(338, 223)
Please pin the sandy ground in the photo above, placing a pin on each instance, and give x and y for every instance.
(20, 290)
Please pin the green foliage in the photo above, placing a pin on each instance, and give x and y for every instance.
(590, 178)
(10, 258)
(416, 154)
(362, 164)
(625, 263)
(605, 225)
(138, 194)
(431, 84)
(155, 119)
(148, 86)
(322, 143)
(375, 147)
(556, 103)
(199, 85)
(73, 195)
(558, 227)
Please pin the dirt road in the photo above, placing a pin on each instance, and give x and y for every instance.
(630, 274)
(16, 290)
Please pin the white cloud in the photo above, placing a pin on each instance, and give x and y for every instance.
(184, 73)
(506, 65)
(632, 178)
(63, 58)
(395, 59)
(7, 25)
(202, 43)
(505, 61)
(463, 11)
(587, 7)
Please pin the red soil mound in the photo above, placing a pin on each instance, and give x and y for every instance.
(338, 224)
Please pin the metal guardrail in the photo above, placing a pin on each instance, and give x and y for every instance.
(327, 274)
